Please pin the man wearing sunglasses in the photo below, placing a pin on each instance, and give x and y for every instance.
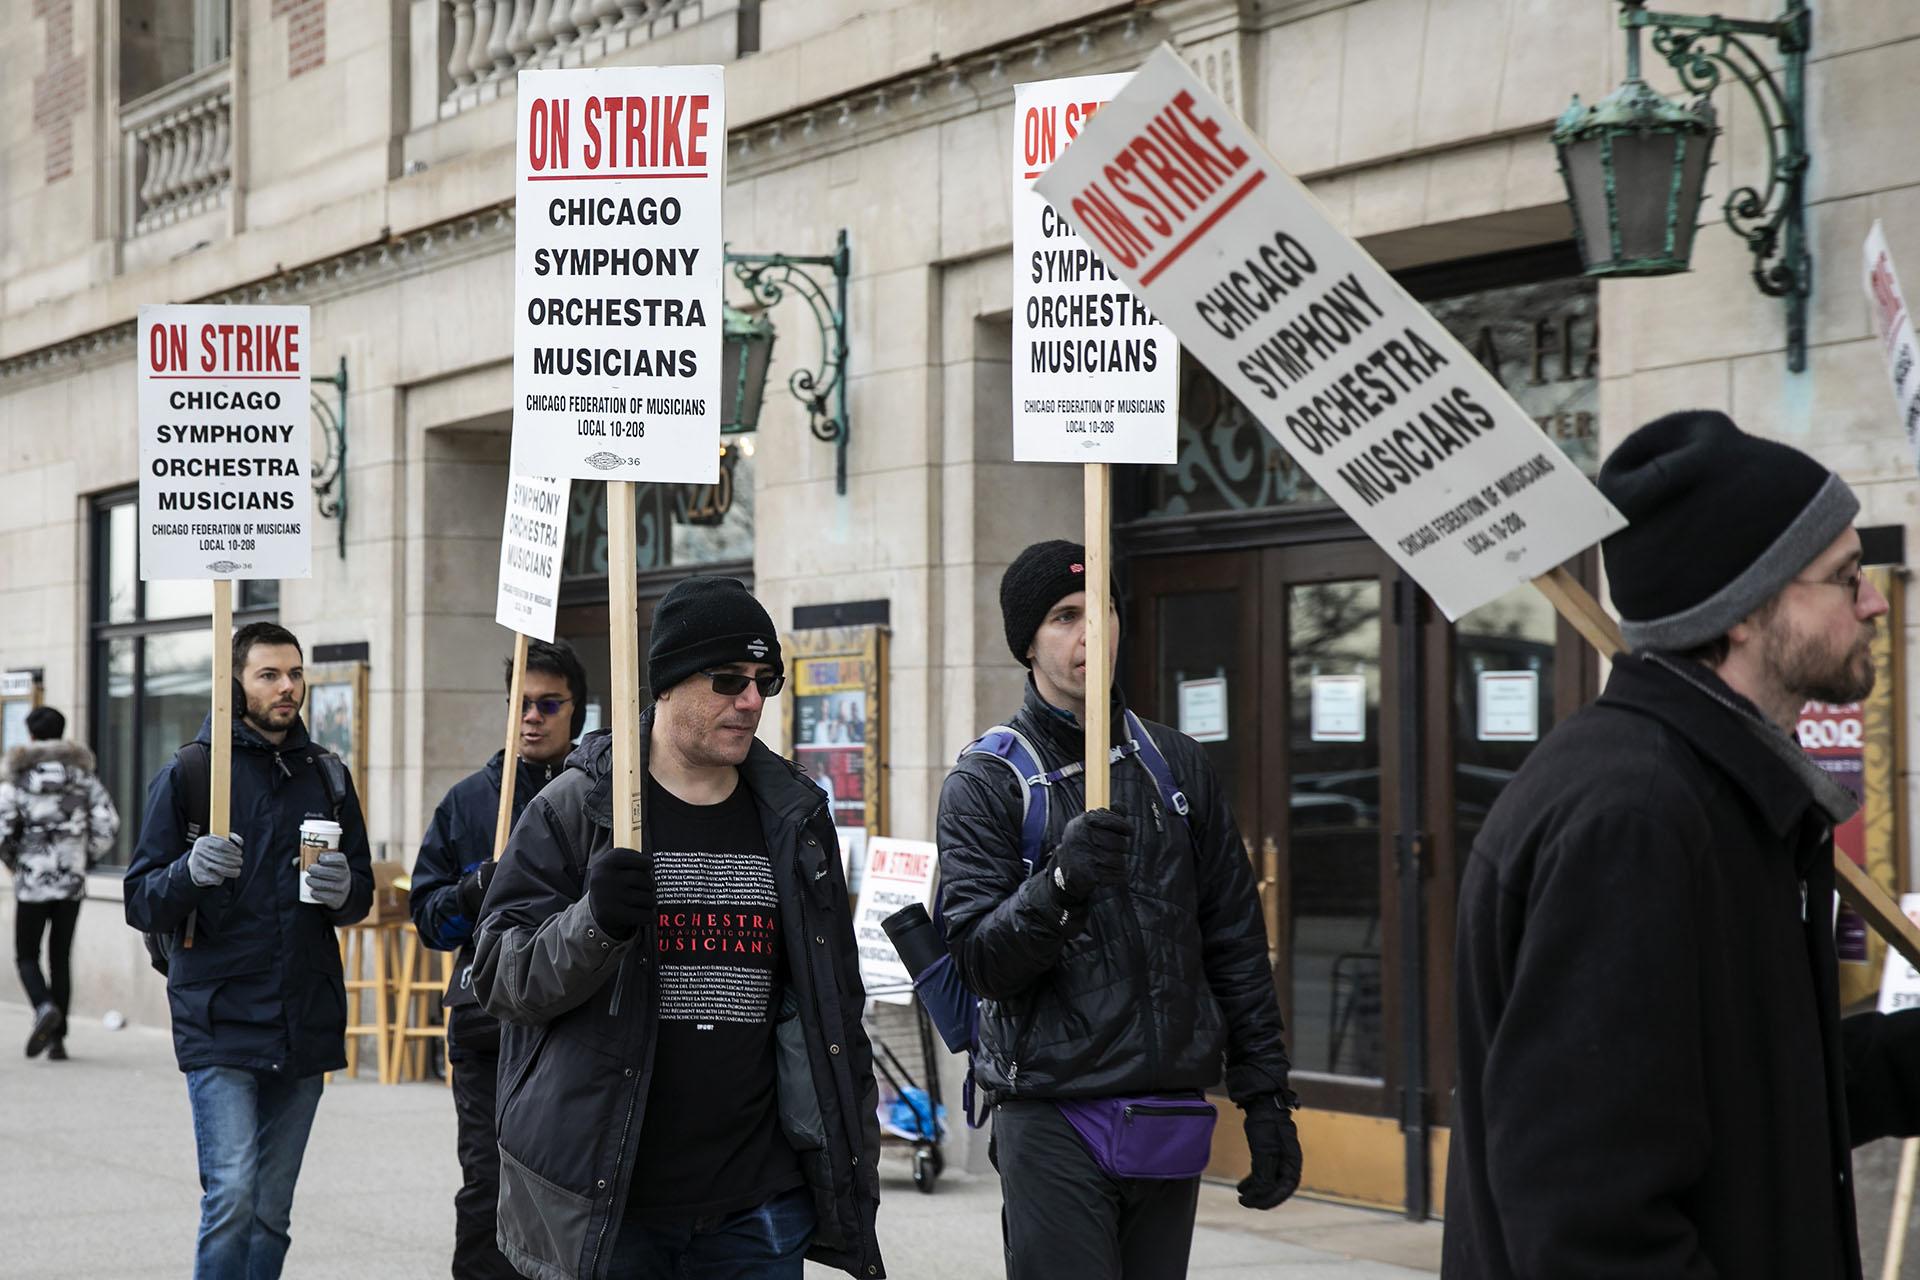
(450, 879)
(686, 1088)
(1654, 1077)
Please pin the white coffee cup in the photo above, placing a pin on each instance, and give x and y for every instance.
(317, 836)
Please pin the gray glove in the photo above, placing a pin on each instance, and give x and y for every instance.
(215, 858)
(329, 880)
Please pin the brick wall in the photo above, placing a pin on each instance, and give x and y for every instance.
(306, 33)
(60, 90)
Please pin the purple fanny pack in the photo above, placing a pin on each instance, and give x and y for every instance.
(1154, 1136)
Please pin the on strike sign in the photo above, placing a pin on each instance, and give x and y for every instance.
(531, 539)
(617, 263)
(1387, 413)
(1894, 325)
(899, 872)
(224, 450)
(1095, 377)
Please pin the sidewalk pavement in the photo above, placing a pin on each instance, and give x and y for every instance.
(97, 1179)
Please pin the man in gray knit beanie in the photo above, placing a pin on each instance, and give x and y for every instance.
(1653, 1075)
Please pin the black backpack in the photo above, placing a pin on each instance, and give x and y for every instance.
(193, 764)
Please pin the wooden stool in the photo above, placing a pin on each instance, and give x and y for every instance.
(378, 944)
(416, 997)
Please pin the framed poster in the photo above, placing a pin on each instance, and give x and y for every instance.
(20, 693)
(336, 714)
(836, 726)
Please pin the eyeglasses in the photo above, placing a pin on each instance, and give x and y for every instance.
(548, 706)
(1851, 582)
(732, 684)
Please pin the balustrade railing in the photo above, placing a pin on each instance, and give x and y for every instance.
(178, 149)
(493, 39)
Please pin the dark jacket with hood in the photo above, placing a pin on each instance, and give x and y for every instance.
(261, 985)
(1154, 986)
(579, 1013)
(458, 840)
(1654, 1079)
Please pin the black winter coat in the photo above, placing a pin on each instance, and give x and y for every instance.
(579, 1011)
(261, 985)
(1654, 1079)
(460, 838)
(1159, 986)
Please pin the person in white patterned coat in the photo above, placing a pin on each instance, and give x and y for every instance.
(55, 819)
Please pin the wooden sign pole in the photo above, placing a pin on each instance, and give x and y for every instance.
(623, 637)
(510, 762)
(220, 767)
(1881, 913)
(1099, 625)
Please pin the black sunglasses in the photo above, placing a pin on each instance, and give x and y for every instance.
(548, 706)
(732, 684)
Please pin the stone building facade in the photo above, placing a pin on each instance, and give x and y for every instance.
(355, 156)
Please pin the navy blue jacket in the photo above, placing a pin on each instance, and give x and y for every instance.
(459, 839)
(261, 986)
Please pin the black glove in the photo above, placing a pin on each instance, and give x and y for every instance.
(620, 891)
(1093, 853)
(473, 888)
(1274, 1144)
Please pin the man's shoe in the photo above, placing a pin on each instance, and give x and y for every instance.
(47, 1024)
(57, 1051)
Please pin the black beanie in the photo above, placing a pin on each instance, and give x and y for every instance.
(1039, 578)
(703, 622)
(1718, 522)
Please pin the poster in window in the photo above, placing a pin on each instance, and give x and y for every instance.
(836, 723)
(336, 715)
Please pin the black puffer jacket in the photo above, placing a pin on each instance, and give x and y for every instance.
(1158, 986)
(579, 1014)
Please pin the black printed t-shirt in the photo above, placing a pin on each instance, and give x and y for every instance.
(711, 1141)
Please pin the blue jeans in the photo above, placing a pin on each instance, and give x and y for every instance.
(251, 1131)
(764, 1243)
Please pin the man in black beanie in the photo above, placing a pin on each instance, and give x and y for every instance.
(1654, 1078)
(1120, 955)
(685, 1086)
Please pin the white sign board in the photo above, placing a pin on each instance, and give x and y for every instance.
(1203, 709)
(18, 684)
(1894, 324)
(1900, 983)
(1383, 408)
(899, 873)
(1095, 377)
(1339, 709)
(225, 489)
(1509, 706)
(617, 262)
(531, 540)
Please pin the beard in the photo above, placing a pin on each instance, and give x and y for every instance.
(1817, 671)
(271, 714)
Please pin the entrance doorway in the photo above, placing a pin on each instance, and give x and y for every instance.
(1362, 740)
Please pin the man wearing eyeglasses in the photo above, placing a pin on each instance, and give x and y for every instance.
(1654, 1078)
(450, 878)
(685, 1085)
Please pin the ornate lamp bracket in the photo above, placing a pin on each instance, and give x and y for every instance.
(821, 388)
(330, 472)
(1704, 51)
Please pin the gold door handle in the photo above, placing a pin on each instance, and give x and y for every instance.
(1270, 897)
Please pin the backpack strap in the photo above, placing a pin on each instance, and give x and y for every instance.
(193, 770)
(1156, 764)
(333, 775)
(1009, 746)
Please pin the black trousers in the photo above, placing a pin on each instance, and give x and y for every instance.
(30, 920)
(1062, 1215)
(473, 1047)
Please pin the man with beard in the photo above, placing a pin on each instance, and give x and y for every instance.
(685, 1086)
(1654, 1078)
(253, 975)
(450, 879)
